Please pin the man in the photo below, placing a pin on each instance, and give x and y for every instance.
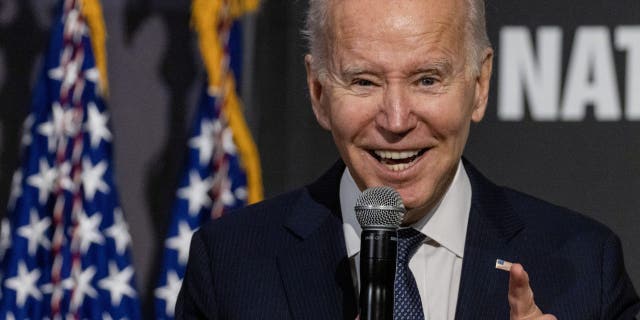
(397, 83)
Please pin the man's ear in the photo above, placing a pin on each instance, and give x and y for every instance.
(316, 94)
(482, 86)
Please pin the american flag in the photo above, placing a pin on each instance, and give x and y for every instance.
(65, 243)
(221, 171)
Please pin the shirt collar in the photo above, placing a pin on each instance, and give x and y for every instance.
(446, 224)
(349, 192)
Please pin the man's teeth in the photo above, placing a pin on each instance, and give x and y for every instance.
(397, 160)
(396, 155)
(398, 167)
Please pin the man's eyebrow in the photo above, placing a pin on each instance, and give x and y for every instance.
(439, 65)
(351, 71)
(442, 65)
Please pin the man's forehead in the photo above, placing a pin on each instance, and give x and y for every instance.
(364, 35)
(426, 8)
(373, 18)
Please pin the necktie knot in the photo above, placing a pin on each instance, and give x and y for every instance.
(409, 240)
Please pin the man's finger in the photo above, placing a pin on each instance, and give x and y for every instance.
(520, 294)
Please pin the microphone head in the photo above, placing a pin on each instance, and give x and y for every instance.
(380, 207)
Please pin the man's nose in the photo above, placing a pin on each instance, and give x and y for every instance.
(397, 111)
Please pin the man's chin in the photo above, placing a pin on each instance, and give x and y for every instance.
(411, 217)
(416, 208)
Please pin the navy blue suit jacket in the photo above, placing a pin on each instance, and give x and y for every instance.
(285, 258)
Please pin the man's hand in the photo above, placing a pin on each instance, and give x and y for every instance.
(523, 307)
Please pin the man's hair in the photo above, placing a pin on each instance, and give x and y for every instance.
(317, 33)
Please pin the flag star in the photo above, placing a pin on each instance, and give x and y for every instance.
(118, 283)
(88, 231)
(74, 26)
(226, 196)
(169, 293)
(65, 284)
(16, 188)
(119, 231)
(10, 316)
(57, 291)
(26, 131)
(43, 181)
(36, 232)
(56, 73)
(181, 242)
(97, 125)
(64, 177)
(93, 178)
(217, 126)
(204, 143)
(241, 193)
(228, 145)
(70, 73)
(54, 128)
(83, 287)
(92, 75)
(5, 238)
(196, 193)
(24, 284)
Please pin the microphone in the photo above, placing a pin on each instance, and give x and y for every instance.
(379, 211)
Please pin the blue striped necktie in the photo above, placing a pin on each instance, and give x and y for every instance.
(407, 304)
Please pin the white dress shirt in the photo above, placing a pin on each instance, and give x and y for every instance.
(437, 264)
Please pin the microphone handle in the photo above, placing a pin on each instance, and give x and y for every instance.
(377, 273)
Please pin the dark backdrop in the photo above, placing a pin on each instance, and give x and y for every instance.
(587, 160)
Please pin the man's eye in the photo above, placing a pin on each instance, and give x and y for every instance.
(362, 82)
(427, 81)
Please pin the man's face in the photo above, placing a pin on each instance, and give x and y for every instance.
(398, 96)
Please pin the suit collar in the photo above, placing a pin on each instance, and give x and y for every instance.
(315, 270)
(320, 201)
(493, 225)
(491, 206)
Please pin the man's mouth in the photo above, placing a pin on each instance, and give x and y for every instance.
(397, 160)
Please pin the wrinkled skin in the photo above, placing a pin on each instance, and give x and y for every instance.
(397, 79)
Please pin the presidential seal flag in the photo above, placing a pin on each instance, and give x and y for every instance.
(222, 169)
(65, 242)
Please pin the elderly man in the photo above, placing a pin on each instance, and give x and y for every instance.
(397, 83)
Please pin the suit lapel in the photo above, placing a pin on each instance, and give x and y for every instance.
(315, 271)
(492, 226)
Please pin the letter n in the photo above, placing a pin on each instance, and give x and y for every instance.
(527, 73)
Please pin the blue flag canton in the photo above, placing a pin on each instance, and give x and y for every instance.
(65, 243)
(213, 182)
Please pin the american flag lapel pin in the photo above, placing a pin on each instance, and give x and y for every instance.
(503, 265)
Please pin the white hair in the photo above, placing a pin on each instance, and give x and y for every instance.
(317, 33)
